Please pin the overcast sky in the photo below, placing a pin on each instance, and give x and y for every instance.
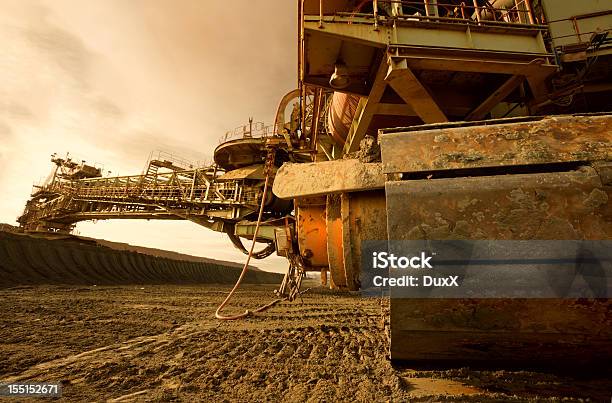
(111, 80)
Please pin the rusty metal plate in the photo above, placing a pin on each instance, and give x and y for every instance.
(351, 219)
(550, 140)
(311, 232)
(502, 332)
(364, 218)
(335, 245)
(323, 178)
(255, 172)
(560, 205)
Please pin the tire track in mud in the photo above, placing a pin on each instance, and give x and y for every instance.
(274, 344)
(132, 347)
(294, 352)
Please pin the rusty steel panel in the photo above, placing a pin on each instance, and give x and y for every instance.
(550, 140)
(335, 245)
(323, 178)
(502, 331)
(559, 205)
(311, 231)
(351, 219)
(255, 172)
(364, 216)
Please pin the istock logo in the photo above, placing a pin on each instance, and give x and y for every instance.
(384, 260)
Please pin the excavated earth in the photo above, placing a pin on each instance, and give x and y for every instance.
(64, 259)
(160, 342)
(143, 343)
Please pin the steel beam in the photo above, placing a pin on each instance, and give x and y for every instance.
(360, 125)
(496, 97)
(476, 65)
(413, 92)
(509, 40)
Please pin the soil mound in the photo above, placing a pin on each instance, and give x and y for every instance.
(28, 260)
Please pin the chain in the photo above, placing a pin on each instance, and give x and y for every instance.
(292, 282)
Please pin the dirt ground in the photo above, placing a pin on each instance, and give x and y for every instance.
(152, 343)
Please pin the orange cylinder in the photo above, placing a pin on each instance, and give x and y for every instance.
(311, 232)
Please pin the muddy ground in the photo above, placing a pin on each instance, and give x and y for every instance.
(152, 343)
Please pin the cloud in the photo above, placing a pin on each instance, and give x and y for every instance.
(62, 48)
(15, 110)
(111, 80)
(5, 132)
(106, 108)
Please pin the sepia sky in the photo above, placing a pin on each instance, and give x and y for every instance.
(111, 80)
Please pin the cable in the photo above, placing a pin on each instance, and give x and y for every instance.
(291, 295)
(246, 267)
(262, 308)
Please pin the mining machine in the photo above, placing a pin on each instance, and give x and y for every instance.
(434, 120)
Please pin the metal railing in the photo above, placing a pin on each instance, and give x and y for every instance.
(193, 186)
(175, 160)
(468, 12)
(256, 130)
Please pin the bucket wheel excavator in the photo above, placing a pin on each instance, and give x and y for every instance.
(412, 120)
